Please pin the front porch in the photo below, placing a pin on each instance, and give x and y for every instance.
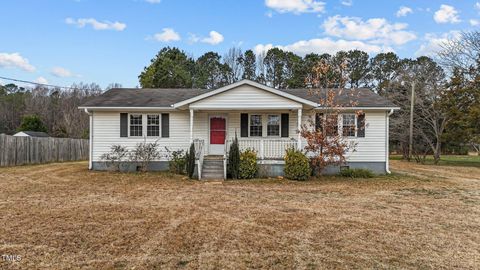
(269, 152)
(269, 133)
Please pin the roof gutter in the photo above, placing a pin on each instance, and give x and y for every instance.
(90, 140)
(387, 143)
(126, 108)
(358, 108)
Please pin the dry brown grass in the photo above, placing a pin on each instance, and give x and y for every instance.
(64, 216)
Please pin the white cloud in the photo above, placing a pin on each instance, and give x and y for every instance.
(474, 22)
(167, 35)
(153, 1)
(323, 45)
(192, 38)
(15, 60)
(296, 6)
(41, 80)
(376, 30)
(477, 6)
(347, 3)
(433, 43)
(404, 11)
(105, 25)
(61, 72)
(446, 14)
(214, 38)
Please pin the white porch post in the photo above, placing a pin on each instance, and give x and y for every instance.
(191, 125)
(299, 127)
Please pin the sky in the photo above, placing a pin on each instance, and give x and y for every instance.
(61, 42)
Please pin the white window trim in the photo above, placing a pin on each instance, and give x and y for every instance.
(159, 124)
(249, 125)
(265, 125)
(279, 125)
(145, 124)
(354, 124)
(130, 123)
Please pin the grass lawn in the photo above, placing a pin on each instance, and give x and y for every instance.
(64, 216)
(450, 160)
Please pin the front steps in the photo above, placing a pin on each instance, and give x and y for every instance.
(212, 168)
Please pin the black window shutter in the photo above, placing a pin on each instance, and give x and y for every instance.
(361, 125)
(123, 124)
(285, 121)
(165, 125)
(318, 121)
(244, 125)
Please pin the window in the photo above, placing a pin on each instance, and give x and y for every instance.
(319, 122)
(331, 127)
(273, 125)
(348, 125)
(153, 125)
(256, 125)
(136, 125)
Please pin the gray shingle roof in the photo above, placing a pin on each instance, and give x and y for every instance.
(357, 97)
(145, 97)
(162, 97)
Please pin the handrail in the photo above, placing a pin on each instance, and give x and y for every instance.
(199, 154)
(225, 160)
(266, 148)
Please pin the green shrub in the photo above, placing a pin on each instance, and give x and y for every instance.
(190, 161)
(297, 165)
(357, 173)
(32, 123)
(234, 159)
(178, 162)
(248, 164)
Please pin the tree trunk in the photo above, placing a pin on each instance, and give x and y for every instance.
(436, 152)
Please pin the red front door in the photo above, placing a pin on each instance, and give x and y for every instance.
(217, 130)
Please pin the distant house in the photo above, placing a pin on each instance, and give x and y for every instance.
(31, 134)
(265, 119)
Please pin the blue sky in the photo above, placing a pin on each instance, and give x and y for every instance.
(106, 41)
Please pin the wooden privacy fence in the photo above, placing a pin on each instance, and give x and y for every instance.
(30, 150)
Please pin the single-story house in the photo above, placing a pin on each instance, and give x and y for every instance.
(31, 134)
(263, 118)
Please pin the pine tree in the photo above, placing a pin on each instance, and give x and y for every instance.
(191, 161)
(234, 159)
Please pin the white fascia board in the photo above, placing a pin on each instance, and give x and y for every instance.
(359, 108)
(126, 108)
(239, 108)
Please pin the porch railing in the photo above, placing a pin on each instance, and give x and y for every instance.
(199, 154)
(265, 148)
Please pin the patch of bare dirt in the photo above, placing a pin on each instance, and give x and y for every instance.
(64, 216)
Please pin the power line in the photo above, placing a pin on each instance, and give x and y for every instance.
(35, 83)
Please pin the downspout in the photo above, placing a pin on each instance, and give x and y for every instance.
(90, 143)
(387, 143)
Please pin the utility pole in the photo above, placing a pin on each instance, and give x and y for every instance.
(412, 102)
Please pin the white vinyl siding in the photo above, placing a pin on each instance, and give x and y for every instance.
(245, 97)
(370, 148)
(106, 132)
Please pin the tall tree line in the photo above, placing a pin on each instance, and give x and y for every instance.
(440, 84)
(174, 68)
(56, 108)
